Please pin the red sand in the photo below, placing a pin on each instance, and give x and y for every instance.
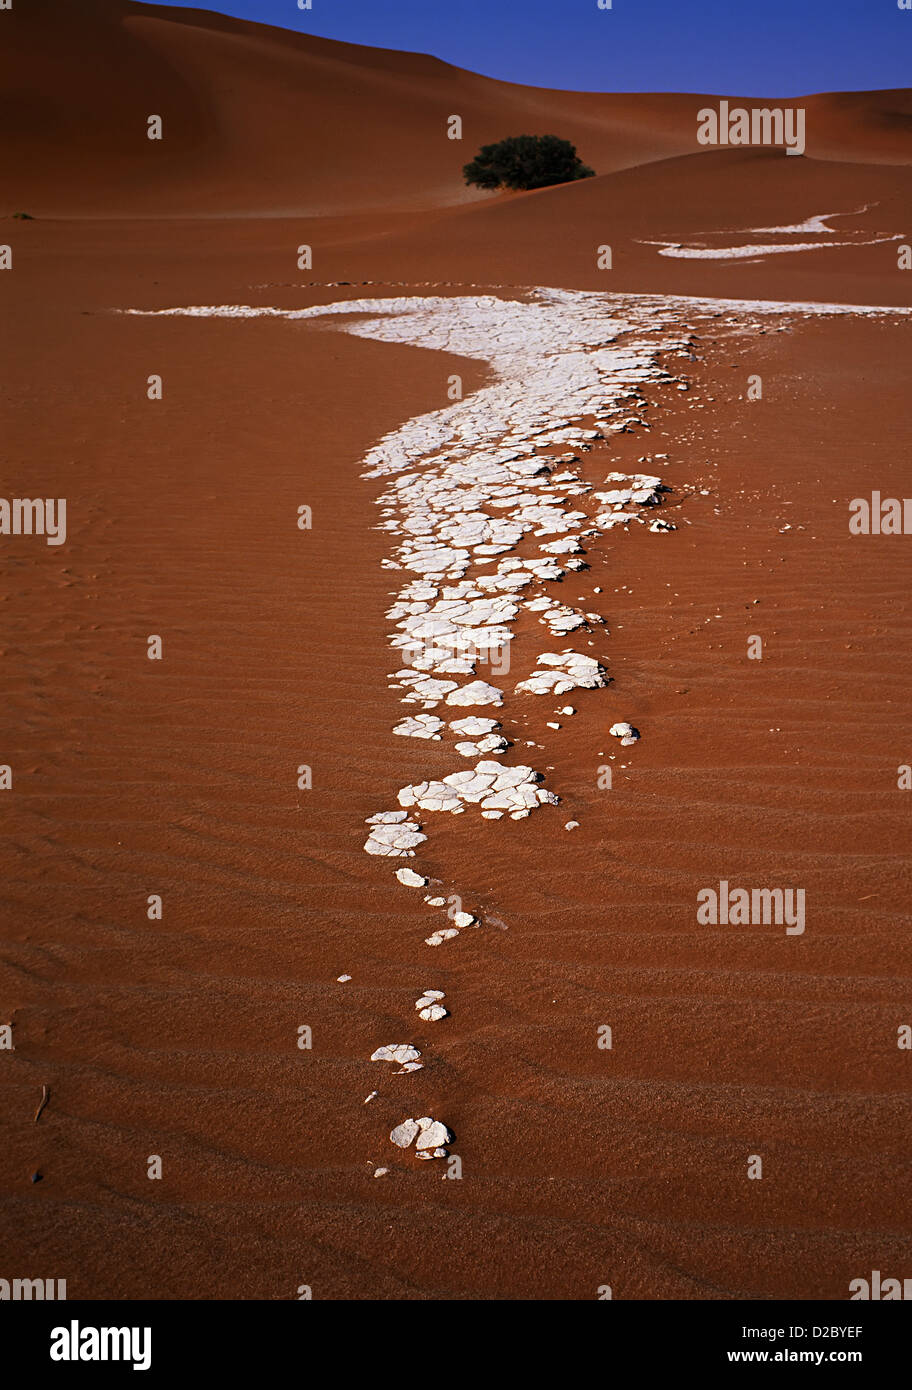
(177, 1038)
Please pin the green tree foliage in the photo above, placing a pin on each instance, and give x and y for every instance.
(526, 161)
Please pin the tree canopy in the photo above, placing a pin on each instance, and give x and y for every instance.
(526, 161)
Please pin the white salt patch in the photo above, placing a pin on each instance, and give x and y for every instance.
(420, 726)
(405, 1133)
(428, 1135)
(625, 732)
(429, 1006)
(437, 938)
(478, 693)
(410, 879)
(465, 484)
(396, 1052)
(491, 743)
(816, 223)
(567, 671)
(474, 727)
(432, 1134)
(395, 840)
(489, 784)
(731, 253)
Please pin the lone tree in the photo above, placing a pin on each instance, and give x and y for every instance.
(526, 161)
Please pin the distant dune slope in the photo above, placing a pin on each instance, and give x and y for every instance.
(259, 120)
(719, 200)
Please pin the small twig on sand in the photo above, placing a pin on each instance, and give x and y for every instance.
(45, 1097)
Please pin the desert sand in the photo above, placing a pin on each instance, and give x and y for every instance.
(581, 1166)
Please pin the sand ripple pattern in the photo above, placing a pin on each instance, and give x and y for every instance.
(471, 483)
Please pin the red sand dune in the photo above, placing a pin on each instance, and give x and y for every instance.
(263, 121)
(553, 235)
(177, 1038)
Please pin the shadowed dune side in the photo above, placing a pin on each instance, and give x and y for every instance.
(875, 127)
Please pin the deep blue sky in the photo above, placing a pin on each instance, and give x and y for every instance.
(749, 47)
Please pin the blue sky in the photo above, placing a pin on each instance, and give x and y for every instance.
(745, 47)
